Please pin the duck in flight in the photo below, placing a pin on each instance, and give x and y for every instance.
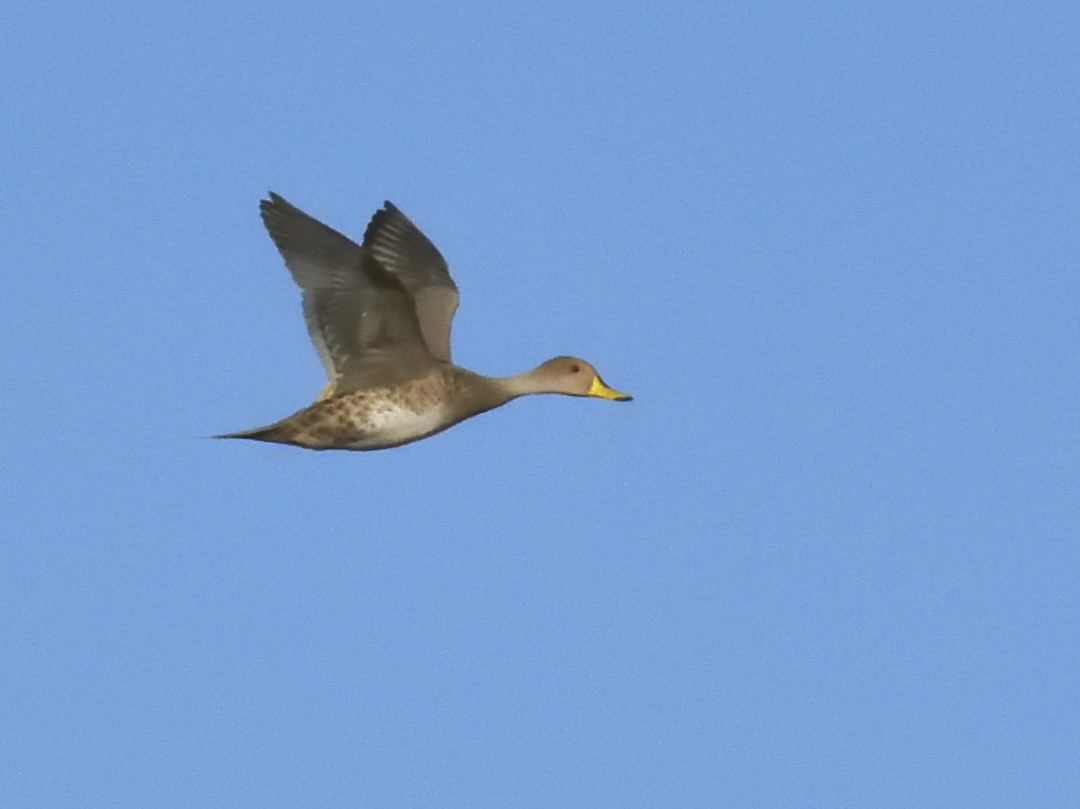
(379, 314)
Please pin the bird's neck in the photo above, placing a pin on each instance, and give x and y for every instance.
(522, 384)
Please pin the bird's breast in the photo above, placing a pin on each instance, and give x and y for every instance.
(392, 423)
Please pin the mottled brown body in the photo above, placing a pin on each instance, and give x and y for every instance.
(379, 418)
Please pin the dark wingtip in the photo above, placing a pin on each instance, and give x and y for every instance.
(272, 200)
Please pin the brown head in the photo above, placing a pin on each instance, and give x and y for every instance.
(567, 375)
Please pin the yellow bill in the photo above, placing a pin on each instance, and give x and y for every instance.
(598, 388)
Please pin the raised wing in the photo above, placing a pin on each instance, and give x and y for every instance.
(407, 254)
(361, 318)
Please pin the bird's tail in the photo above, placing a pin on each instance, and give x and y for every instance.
(275, 433)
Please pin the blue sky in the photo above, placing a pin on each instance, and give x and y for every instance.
(827, 557)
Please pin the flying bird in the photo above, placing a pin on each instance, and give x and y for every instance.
(379, 315)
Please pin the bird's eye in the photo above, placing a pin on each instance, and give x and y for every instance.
(575, 368)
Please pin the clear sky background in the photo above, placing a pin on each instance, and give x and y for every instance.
(827, 557)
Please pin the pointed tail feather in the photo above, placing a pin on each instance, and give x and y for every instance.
(272, 432)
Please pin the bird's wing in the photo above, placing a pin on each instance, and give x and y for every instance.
(361, 318)
(407, 254)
